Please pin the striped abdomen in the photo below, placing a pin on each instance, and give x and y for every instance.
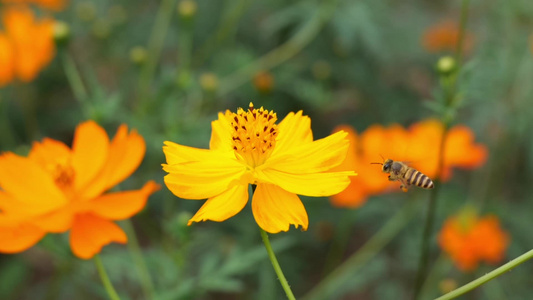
(414, 177)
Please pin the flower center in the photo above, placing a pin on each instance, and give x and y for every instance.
(63, 174)
(254, 135)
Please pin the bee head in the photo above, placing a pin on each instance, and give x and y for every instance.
(387, 165)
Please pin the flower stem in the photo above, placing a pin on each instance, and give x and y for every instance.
(105, 279)
(450, 90)
(487, 277)
(276, 266)
(136, 254)
(155, 45)
(73, 77)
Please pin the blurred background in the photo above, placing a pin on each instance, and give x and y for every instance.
(168, 67)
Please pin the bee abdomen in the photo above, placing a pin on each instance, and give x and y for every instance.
(420, 180)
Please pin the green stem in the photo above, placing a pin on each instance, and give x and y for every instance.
(276, 266)
(487, 277)
(73, 77)
(105, 279)
(462, 30)
(136, 254)
(155, 45)
(421, 274)
(344, 272)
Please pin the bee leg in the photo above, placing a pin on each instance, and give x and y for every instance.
(391, 179)
(404, 186)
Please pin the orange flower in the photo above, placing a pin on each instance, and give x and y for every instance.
(468, 240)
(263, 82)
(55, 5)
(26, 46)
(56, 188)
(418, 146)
(444, 36)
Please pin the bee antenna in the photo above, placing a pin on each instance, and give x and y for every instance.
(383, 158)
(376, 163)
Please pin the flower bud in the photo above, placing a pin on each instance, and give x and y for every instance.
(187, 9)
(61, 32)
(209, 82)
(446, 65)
(263, 82)
(138, 55)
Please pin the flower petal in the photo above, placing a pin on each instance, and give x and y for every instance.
(7, 60)
(25, 181)
(90, 233)
(89, 152)
(318, 156)
(276, 209)
(223, 206)
(221, 134)
(294, 130)
(177, 154)
(49, 150)
(203, 179)
(19, 238)
(122, 205)
(125, 154)
(314, 184)
(56, 221)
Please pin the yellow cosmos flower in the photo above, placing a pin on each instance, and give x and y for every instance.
(248, 147)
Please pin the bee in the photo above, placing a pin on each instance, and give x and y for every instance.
(406, 175)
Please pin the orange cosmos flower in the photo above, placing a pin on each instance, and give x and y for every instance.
(55, 5)
(418, 146)
(468, 239)
(57, 188)
(444, 36)
(26, 45)
(248, 147)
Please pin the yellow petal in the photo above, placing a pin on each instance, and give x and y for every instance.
(318, 156)
(203, 179)
(89, 152)
(294, 130)
(314, 184)
(276, 209)
(176, 153)
(223, 206)
(27, 182)
(221, 134)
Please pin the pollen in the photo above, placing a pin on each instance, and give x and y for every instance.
(254, 134)
(63, 173)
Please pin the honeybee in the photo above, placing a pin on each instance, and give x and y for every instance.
(405, 174)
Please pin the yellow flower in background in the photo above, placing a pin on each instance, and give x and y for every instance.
(248, 147)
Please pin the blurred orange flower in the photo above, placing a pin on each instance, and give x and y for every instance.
(56, 188)
(418, 146)
(468, 239)
(444, 36)
(263, 82)
(55, 5)
(26, 44)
